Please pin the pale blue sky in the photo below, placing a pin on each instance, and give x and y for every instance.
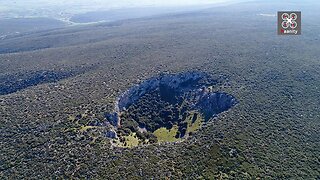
(8, 4)
(65, 8)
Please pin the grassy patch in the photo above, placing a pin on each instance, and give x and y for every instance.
(166, 135)
(85, 128)
(129, 141)
(192, 127)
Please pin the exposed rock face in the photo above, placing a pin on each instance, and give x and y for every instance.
(213, 103)
(111, 134)
(192, 87)
(180, 82)
(113, 118)
(166, 108)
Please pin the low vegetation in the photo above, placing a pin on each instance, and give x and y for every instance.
(272, 133)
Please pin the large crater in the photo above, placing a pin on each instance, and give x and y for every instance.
(167, 108)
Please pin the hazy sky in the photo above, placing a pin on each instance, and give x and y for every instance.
(57, 8)
(102, 4)
(119, 3)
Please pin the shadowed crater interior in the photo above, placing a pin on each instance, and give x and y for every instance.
(166, 108)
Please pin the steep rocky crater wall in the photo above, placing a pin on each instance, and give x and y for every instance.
(167, 101)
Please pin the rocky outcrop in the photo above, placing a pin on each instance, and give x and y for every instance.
(111, 134)
(213, 103)
(193, 87)
(179, 82)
